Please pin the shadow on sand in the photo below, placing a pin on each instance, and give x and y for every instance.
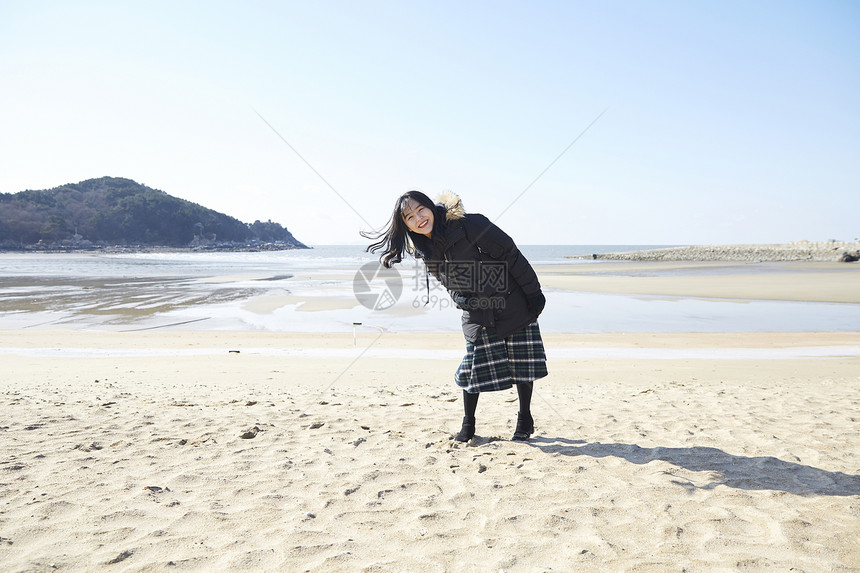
(742, 472)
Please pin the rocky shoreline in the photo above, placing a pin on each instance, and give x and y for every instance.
(830, 251)
(118, 249)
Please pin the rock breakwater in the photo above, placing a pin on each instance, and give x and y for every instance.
(830, 251)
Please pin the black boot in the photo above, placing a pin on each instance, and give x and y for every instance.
(467, 431)
(525, 423)
(525, 427)
(470, 404)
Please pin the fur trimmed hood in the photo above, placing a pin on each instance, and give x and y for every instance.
(454, 209)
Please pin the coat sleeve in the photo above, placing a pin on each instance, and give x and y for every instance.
(490, 239)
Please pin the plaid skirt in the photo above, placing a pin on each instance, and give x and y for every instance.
(494, 364)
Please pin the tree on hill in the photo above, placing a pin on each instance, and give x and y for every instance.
(112, 210)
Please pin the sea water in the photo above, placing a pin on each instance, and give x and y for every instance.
(155, 264)
(270, 291)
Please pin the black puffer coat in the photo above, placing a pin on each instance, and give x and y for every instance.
(485, 273)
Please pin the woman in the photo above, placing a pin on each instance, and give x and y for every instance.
(491, 281)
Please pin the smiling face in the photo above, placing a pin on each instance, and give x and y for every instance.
(418, 218)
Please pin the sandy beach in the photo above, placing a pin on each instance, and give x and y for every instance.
(198, 450)
(786, 281)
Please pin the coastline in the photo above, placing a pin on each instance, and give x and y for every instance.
(135, 249)
(299, 294)
(798, 251)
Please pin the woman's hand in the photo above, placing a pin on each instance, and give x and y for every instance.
(461, 301)
(536, 302)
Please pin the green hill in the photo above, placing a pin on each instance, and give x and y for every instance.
(116, 211)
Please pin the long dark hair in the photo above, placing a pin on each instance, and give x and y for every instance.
(397, 239)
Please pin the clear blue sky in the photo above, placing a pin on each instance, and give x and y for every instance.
(726, 121)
